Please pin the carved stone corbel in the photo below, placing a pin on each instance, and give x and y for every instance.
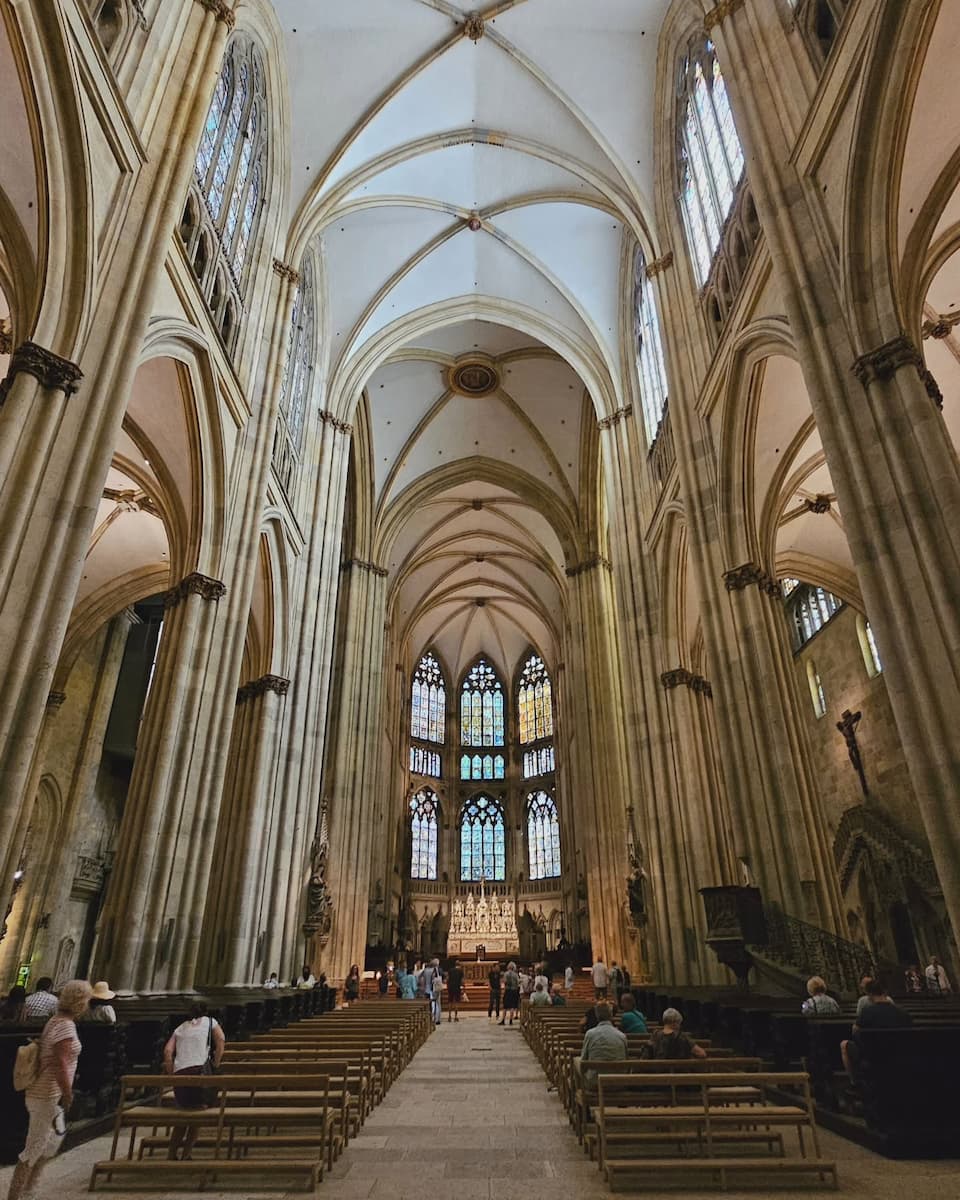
(885, 361)
(260, 687)
(221, 11)
(285, 271)
(195, 584)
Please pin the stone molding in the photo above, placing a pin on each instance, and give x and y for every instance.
(340, 426)
(49, 369)
(720, 12)
(885, 361)
(221, 10)
(285, 271)
(659, 264)
(259, 687)
(681, 677)
(55, 699)
(739, 578)
(473, 27)
(588, 564)
(615, 417)
(362, 565)
(195, 584)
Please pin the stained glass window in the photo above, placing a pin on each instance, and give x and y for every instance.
(423, 827)
(649, 342)
(482, 840)
(710, 156)
(487, 766)
(543, 836)
(535, 701)
(481, 707)
(538, 762)
(301, 353)
(424, 762)
(428, 701)
(230, 163)
(809, 609)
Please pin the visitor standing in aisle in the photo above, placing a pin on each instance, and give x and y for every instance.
(568, 978)
(454, 991)
(600, 978)
(436, 992)
(511, 994)
(495, 980)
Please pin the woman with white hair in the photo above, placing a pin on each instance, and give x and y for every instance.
(669, 1042)
(818, 1004)
(49, 1096)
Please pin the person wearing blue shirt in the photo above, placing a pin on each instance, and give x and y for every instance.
(631, 1021)
(408, 986)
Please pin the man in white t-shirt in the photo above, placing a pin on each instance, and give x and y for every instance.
(568, 978)
(600, 978)
(306, 980)
(272, 982)
(43, 1003)
(937, 979)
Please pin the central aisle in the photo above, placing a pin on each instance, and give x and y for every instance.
(470, 1118)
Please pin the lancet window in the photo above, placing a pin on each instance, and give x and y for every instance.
(297, 377)
(226, 201)
(543, 836)
(428, 699)
(649, 344)
(710, 155)
(423, 829)
(481, 723)
(535, 717)
(809, 608)
(482, 840)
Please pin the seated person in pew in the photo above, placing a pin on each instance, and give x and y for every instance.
(880, 1012)
(540, 997)
(669, 1042)
(557, 998)
(272, 982)
(631, 1021)
(818, 1003)
(194, 1048)
(603, 1043)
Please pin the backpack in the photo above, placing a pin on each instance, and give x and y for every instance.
(26, 1066)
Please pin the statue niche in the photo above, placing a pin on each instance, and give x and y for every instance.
(319, 918)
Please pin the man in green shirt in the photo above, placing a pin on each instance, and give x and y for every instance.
(631, 1021)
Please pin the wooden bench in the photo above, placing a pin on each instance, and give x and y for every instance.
(711, 1124)
(252, 1112)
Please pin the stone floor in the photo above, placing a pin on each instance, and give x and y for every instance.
(471, 1119)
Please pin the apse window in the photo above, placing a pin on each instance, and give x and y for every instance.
(428, 698)
(711, 158)
(543, 836)
(535, 718)
(482, 840)
(423, 831)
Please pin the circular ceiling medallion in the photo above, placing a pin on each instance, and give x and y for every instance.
(474, 378)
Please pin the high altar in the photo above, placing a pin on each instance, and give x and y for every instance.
(489, 923)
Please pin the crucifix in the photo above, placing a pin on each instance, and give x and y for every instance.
(847, 726)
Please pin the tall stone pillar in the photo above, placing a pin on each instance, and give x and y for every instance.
(354, 763)
(874, 402)
(304, 732)
(599, 757)
(56, 448)
(151, 922)
(233, 935)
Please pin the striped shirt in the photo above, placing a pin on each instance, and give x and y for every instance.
(58, 1029)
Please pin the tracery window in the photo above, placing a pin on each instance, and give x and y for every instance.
(428, 699)
(423, 828)
(229, 179)
(543, 836)
(297, 377)
(809, 609)
(481, 707)
(710, 156)
(481, 766)
(482, 840)
(535, 717)
(649, 342)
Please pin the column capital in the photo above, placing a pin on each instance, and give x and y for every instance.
(615, 417)
(221, 11)
(588, 564)
(55, 700)
(882, 363)
(259, 687)
(349, 563)
(52, 371)
(340, 426)
(659, 264)
(681, 677)
(739, 578)
(285, 271)
(720, 12)
(195, 584)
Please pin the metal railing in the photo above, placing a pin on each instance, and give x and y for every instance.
(815, 951)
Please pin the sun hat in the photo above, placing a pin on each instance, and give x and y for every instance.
(101, 991)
